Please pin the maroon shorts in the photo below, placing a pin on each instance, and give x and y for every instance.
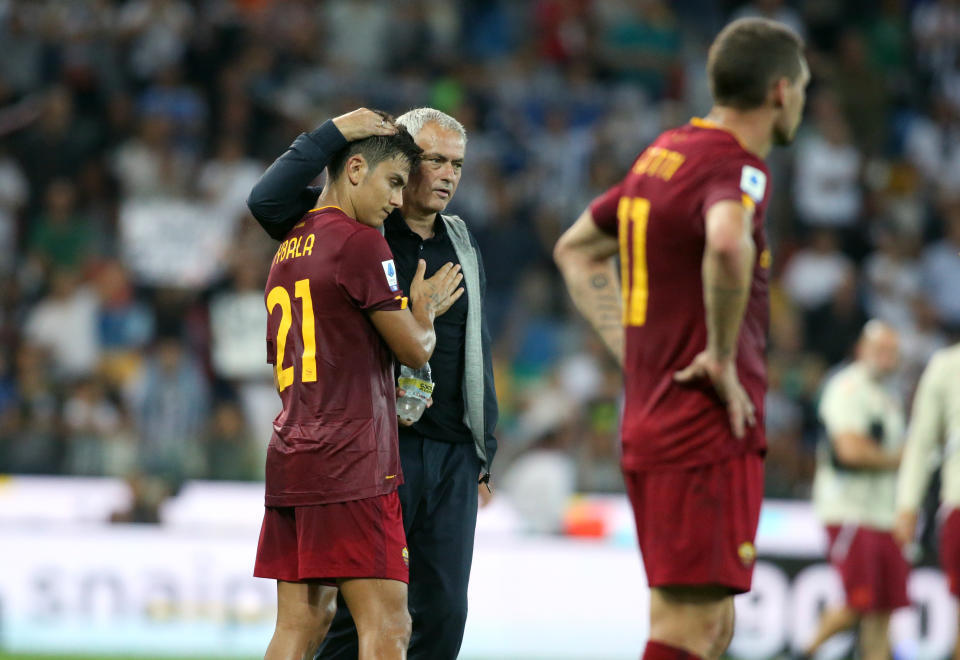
(326, 542)
(696, 526)
(950, 550)
(871, 566)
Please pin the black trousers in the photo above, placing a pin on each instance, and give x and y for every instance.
(439, 501)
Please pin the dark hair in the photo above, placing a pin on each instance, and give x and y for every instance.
(376, 149)
(747, 56)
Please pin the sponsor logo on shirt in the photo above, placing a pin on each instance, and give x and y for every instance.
(391, 272)
(406, 556)
(753, 182)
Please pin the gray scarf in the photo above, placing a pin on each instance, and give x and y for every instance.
(473, 385)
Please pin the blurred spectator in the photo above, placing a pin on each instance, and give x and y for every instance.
(13, 197)
(230, 451)
(64, 323)
(892, 278)
(237, 321)
(147, 165)
(639, 43)
(97, 438)
(861, 92)
(598, 452)
(61, 237)
(541, 481)
(936, 33)
(170, 403)
(178, 104)
(827, 181)
(225, 180)
(814, 274)
(57, 143)
(357, 34)
(125, 323)
(29, 439)
(833, 326)
(932, 144)
(775, 10)
(158, 31)
(941, 268)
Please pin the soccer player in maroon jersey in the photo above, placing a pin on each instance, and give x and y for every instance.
(688, 324)
(336, 319)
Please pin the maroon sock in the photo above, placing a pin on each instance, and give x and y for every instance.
(661, 651)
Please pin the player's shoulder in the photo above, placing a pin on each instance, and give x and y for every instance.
(947, 358)
(336, 222)
(846, 380)
(716, 145)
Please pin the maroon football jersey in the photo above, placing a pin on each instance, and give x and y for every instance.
(658, 212)
(336, 437)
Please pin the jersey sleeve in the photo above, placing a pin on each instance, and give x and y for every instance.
(604, 209)
(840, 408)
(926, 428)
(367, 273)
(740, 179)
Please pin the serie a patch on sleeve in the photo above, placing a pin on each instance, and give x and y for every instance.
(753, 182)
(390, 270)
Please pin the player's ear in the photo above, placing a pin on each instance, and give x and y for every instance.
(779, 92)
(356, 168)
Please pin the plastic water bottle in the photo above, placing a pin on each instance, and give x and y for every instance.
(417, 386)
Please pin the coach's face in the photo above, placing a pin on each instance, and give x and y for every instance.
(433, 183)
(380, 190)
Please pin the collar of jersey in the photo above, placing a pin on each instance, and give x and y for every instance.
(328, 206)
(699, 122)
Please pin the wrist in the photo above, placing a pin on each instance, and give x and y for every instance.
(422, 311)
(721, 357)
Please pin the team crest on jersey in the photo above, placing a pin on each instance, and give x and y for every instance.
(406, 556)
(747, 553)
(753, 182)
(391, 272)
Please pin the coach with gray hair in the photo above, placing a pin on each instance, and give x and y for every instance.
(452, 445)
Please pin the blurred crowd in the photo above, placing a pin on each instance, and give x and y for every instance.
(131, 312)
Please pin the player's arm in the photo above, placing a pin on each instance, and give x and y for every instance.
(282, 195)
(584, 255)
(856, 450)
(727, 268)
(409, 332)
(926, 429)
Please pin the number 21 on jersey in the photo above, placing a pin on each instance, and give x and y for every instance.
(308, 371)
(632, 216)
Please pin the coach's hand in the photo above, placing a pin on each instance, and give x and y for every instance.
(440, 291)
(723, 375)
(362, 123)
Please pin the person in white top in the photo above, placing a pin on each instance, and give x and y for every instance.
(935, 434)
(854, 491)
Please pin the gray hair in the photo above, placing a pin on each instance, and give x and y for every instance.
(414, 120)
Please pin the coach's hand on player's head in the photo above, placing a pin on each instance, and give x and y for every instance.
(723, 375)
(363, 123)
(438, 292)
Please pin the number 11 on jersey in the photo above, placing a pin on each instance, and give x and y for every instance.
(308, 371)
(632, 216)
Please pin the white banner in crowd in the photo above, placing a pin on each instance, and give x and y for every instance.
(88, 587)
